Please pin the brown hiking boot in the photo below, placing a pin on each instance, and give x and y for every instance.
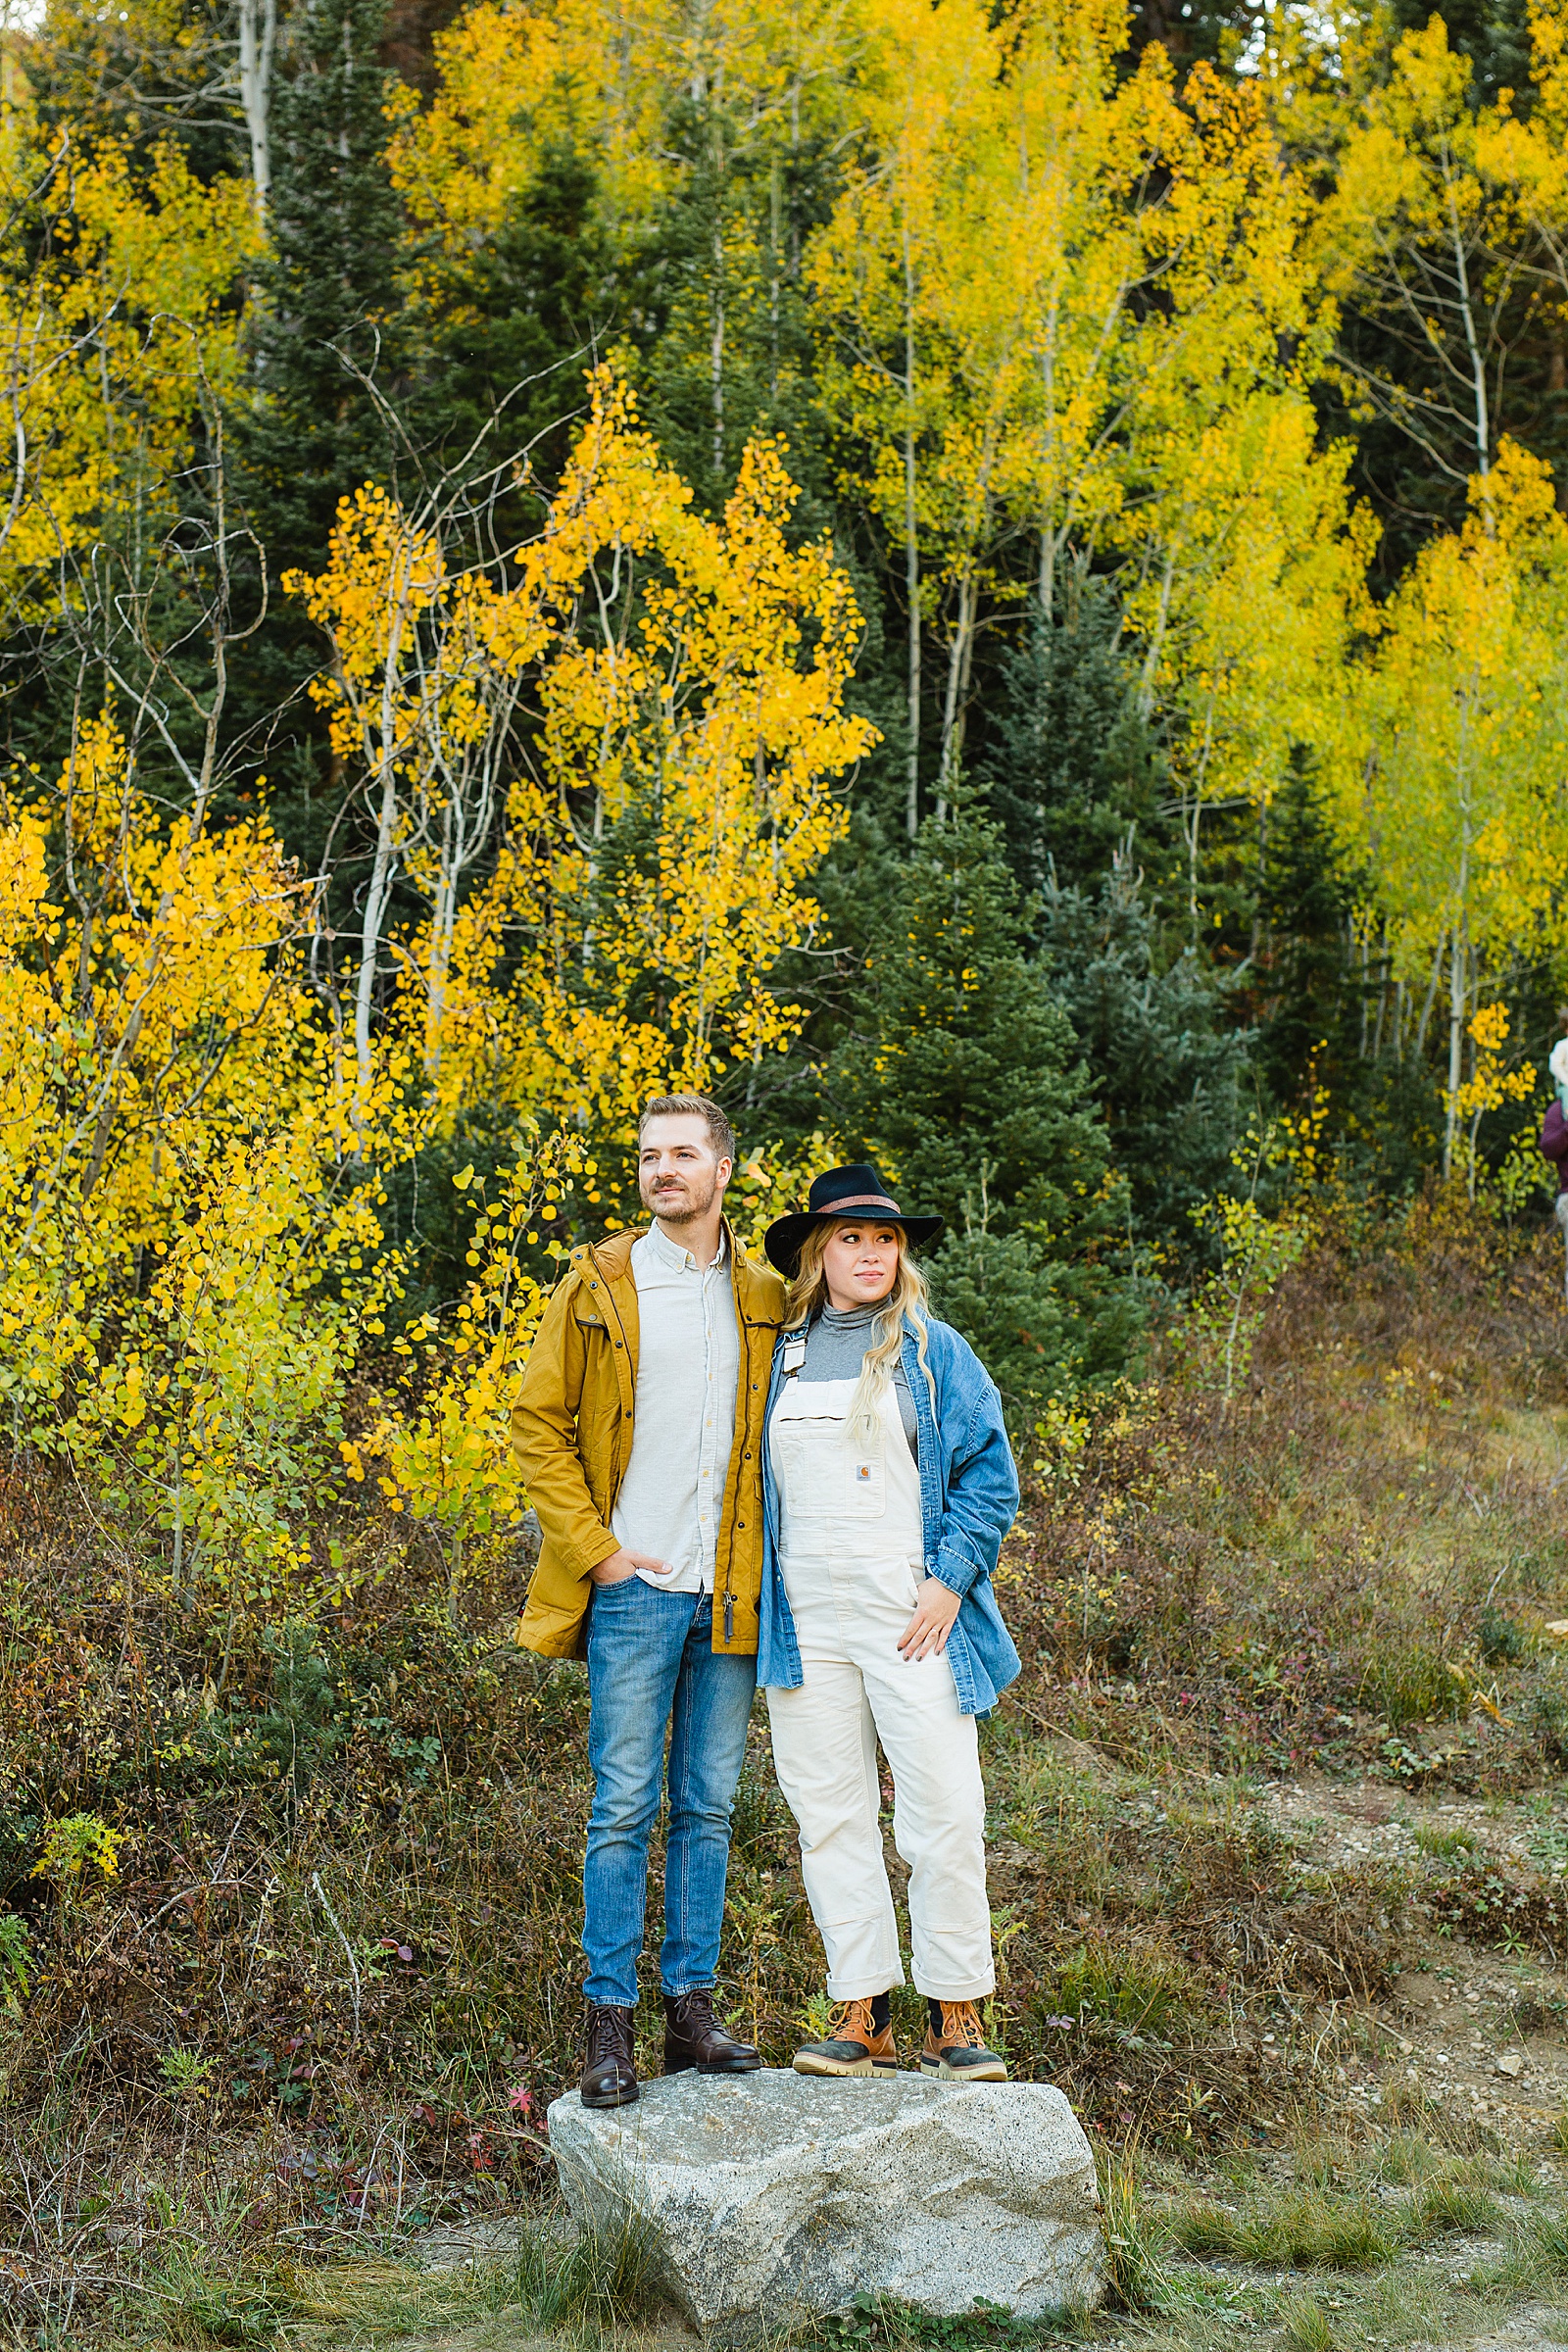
(694, 2037)
(959, 2053)
(853, 2045)
(608, 2075)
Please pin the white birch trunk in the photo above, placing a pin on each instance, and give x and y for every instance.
(952, 700)
(258, 34)
(912, 555)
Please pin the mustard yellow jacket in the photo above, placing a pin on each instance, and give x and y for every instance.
(571, 1431)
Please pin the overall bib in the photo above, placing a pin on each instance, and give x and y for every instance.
(850, 1555)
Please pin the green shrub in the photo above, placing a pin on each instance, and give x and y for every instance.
(1446, 1845)
(1143, 1985)
(1502, 1640)
(1409, 1682)
(1304, 2325)
(1549, 1725)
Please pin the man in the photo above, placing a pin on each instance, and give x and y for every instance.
(1554, 1134)
(639, 1433)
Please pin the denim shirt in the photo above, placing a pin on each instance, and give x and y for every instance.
(968, 1500)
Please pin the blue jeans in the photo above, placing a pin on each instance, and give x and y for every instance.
(652, 1668)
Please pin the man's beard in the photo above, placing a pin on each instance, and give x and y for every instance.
(686, 1208)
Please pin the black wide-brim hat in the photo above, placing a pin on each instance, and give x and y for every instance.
(841, 1192)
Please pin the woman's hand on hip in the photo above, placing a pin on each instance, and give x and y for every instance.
(936, 1605)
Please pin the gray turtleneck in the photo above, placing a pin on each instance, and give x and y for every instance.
(835, 1349)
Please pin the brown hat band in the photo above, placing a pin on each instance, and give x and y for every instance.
(836, 1208)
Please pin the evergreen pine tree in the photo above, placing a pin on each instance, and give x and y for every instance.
(1071, 765)
(521, 321)
(1308, 998)
(329, 304)
(1317, 1005)
(716, 300)
(331, 312)
(1167, 1073)
(965, 1079)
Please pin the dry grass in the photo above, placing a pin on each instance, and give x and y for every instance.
(343, 1937)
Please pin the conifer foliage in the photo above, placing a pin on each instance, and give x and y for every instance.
(967, 1079)
(331, 333)
(906, 565)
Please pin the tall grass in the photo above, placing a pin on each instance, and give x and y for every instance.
(337, 1963)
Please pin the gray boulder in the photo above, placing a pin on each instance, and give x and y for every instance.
(766, 2197)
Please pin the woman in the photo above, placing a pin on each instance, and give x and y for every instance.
(888, 1487)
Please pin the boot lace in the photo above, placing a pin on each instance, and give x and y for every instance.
(607, 2037)
(961, 2024)
(851, 2020)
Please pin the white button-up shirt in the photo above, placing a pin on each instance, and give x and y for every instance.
(683, 1423)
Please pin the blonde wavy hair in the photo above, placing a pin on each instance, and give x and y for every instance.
(906, 1306)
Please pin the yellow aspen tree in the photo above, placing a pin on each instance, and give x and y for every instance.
(1249, 606)
(125, 69)
(689, 678)
(1491, 1083)
(1036, 289)
(1243, 562)
(1526, 152)
(903, 346)
(1453, 786)
(407, 705)
(605, 76)
(719, 711)
(114, 324)
(169, 1203)
(1420, 236)
(692, 120)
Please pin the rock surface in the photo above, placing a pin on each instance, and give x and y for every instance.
(772, 2195)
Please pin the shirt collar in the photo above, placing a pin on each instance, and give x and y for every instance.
(676, 1256)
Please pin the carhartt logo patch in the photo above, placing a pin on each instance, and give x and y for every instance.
(862, 1470)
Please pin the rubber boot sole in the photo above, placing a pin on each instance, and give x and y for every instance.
(809, 2062)
(622, 2098)
(989, 2070)
(679, 2059)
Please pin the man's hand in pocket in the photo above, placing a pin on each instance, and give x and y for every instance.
(621, 1564)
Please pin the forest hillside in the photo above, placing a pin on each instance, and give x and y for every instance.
(988, 585)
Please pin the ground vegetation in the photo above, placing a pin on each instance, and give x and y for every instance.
(1278, 1852)
(990, 587)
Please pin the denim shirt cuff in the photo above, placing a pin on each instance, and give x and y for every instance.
(950, 1568)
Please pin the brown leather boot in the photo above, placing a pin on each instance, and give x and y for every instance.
(853, 2045)
(609, 2077)
(959, 2053)
(695, 2038)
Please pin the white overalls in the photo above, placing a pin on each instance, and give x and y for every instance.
(851, 1553)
